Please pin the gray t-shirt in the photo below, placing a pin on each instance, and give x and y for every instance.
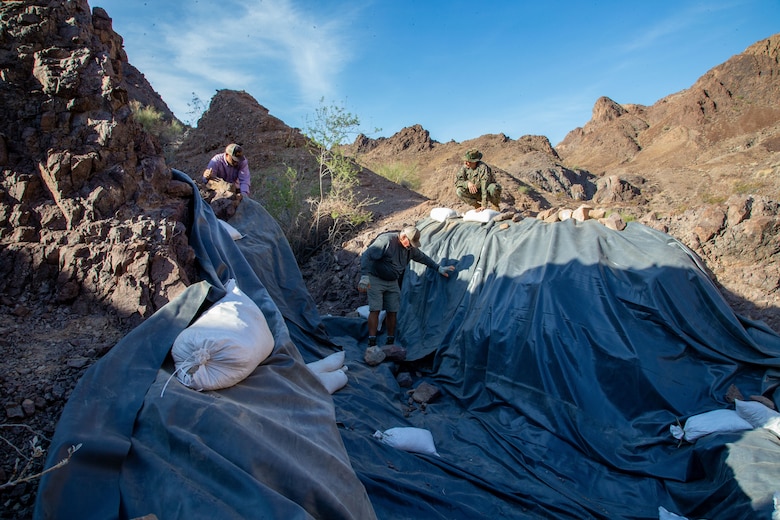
(387, 258)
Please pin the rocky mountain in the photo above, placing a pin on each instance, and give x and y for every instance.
(89, 211)
(718, 138)
(93, 219)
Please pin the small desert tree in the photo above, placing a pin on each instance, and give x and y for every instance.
(196, 108)
(338, 174)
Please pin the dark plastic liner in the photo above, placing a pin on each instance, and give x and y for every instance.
(563, 353)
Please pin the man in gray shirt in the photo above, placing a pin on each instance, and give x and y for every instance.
(381, 266)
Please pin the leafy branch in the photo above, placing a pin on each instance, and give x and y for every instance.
(327, 132)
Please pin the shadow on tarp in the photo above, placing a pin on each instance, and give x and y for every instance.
(563, 352)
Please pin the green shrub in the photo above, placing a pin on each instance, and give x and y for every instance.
(282, 200)
(336, 209)
(709, 198)
(625, 217)
(152, 122)
(148, 117)
(406, 175)
(745, 188)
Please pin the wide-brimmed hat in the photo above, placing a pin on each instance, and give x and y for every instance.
(413, 234)
(235, 151)
(472, 155)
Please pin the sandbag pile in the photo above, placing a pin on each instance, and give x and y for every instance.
(746, 415)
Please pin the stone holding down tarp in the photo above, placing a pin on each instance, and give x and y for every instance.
(563, 353)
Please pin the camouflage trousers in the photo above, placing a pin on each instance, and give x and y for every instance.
(475, 199)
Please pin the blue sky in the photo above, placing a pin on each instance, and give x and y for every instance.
(460, 69)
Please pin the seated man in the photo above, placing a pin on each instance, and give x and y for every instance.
(475, 184)
(230, 166)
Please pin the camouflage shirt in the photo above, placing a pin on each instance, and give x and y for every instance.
(481, 175)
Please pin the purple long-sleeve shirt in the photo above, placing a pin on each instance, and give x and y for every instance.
(233, 174)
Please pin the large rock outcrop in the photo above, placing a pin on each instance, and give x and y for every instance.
(89, 211)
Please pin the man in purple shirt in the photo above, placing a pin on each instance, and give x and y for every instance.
(230, 166)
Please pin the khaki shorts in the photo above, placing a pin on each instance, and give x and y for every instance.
(383, 295)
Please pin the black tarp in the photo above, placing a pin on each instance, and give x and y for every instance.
(563, 353)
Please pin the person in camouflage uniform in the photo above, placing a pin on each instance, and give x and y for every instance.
(475, 184)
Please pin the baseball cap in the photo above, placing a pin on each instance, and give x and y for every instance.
(413, 234)
(235, 151)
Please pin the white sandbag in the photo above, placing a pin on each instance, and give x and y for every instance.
(363, 312)
(417, 440)
(757, 414)
(233, 232)
(224, 345)
(716, 421)
(327, 364)
(332, 381)
(485, 215)
(442, 214)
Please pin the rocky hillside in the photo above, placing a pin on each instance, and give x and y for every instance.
(271, 147)
(89, 212)
(93, 221)
(237, 117)
(718, 138)
(92, 224)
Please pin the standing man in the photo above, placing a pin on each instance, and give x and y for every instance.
(230, 166)
(475, 184)
(381, 266)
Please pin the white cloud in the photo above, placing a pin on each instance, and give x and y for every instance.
(267, 44)
(282, 53)
(680, 22)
